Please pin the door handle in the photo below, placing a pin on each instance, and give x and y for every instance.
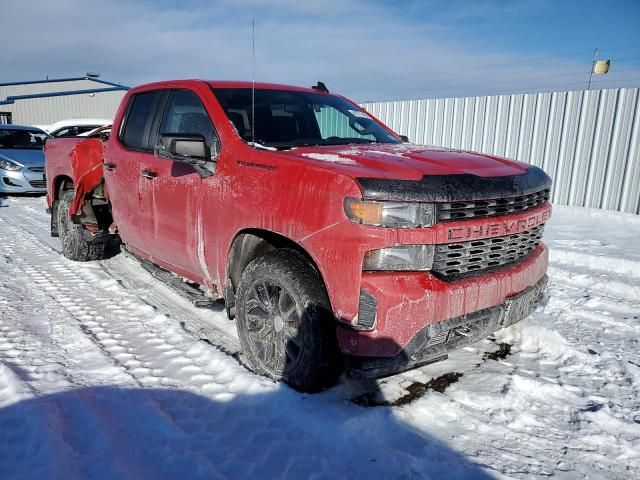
(110, 166)
(148, 174)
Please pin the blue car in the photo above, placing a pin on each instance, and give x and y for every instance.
(22, 159)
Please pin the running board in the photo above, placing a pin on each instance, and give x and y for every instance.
(182, 288)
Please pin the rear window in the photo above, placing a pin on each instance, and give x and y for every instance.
(135, 133)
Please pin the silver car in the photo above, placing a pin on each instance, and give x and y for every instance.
(22, 159)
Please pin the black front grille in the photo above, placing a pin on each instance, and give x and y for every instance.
(452, 259)
(38, 183)
(36, 169)
(492, 207)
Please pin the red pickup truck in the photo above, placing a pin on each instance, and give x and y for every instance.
(333, 241)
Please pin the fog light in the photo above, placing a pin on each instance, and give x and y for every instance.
(402, 258)
(8, 181)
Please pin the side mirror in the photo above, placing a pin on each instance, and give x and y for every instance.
(185, 148)
(404, 138)
(361, 125)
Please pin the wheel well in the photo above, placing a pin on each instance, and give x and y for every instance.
(250, 244)
(95, 208)
(61, 184)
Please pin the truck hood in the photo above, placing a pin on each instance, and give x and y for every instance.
(419, 173)
(28, 158)
(407, 161)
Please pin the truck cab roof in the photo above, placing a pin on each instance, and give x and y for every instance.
(228, 84)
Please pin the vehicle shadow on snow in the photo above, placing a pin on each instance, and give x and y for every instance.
(112, 432)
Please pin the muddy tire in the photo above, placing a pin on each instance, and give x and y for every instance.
(285, 324)
(74, 245)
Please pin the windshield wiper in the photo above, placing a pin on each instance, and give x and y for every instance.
(287, 146)
(353, 141)
(323, 143)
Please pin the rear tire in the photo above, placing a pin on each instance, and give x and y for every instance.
(74, 245)
(285, 324)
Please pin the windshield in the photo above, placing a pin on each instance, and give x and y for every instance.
(25, 139)
(286, 119)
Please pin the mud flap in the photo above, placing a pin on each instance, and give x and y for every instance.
(54, 219)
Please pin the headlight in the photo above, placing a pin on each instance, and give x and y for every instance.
(404, 257)
(390, 214)
(6, 164)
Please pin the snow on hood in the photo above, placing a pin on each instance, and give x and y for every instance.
(329, 157)
(26, 157)
(407, 161)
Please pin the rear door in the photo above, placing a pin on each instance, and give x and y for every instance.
(125, 154)
(172, 191)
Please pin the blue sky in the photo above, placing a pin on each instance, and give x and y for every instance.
(368, 50)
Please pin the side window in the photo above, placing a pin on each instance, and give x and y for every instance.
(185, 115)
(135, 134)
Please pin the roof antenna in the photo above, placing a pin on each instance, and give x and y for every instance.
(253, 81)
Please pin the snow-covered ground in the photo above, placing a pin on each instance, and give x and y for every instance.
(107, 373)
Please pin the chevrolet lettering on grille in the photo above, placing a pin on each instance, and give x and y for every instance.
(506, 227)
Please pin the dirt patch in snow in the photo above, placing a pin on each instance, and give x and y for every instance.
(504, 350)
(415, 391)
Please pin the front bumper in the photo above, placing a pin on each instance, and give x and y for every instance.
(407, 302)
(432, 343)
(22, 181)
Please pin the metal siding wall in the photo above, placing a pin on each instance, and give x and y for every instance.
(47, 110)
(587, 141)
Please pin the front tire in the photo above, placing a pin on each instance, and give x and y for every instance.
(74, 245)
(284, 322)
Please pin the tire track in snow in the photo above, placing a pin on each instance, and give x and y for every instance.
(67, 285)
(29, 258)
(42, 342)
(212, 324)
(156, 350)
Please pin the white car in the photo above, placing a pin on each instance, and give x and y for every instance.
(101, 132)
(74, 127)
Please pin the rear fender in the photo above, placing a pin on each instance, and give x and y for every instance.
(86, 167)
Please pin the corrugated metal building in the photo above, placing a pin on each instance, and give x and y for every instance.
(42, 102)
(588, 141)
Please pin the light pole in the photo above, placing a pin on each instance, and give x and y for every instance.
(593, 65)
